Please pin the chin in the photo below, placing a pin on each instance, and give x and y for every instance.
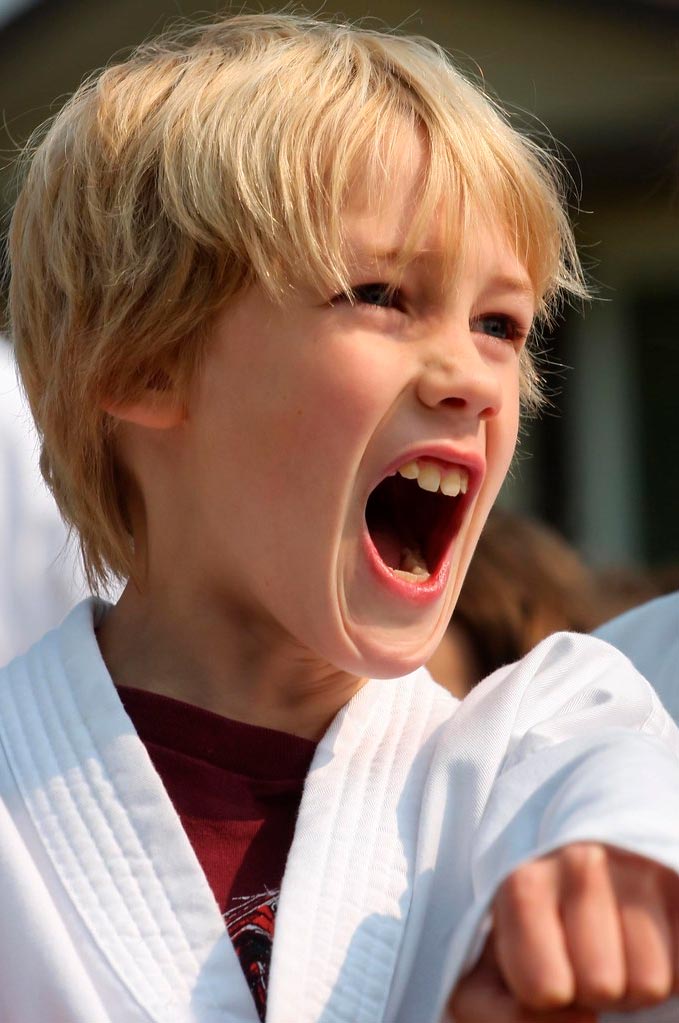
(387, 656)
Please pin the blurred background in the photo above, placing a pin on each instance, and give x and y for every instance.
(602, 466)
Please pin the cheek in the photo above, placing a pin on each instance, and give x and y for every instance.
(510, 433)
(502, 433)
(501, 436)
(339, 407)
(309, 437)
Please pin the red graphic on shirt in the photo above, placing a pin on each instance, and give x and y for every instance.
(250, 923)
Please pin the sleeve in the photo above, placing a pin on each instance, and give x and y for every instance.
(570, 744)
(591, 756)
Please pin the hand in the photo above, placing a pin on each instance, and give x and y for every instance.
(483, 997)
(585, 928)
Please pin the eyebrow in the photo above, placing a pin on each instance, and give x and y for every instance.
(366, 254)
(500, 282)
(509, 285)
(506, 282)
(519, 285)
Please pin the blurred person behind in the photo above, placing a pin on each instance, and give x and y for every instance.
(649, 636)
(647, 631)
(665, 578)
(627, 586)
(40, 576)
(524, 583)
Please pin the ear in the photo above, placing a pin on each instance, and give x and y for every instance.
(156, 411)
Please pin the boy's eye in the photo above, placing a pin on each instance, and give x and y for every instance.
(498, 325)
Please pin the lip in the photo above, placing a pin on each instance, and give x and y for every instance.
(447, 457)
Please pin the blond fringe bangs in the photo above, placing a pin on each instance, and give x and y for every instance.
(260, 164)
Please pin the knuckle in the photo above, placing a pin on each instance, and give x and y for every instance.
(600, 991)
(646, 998)
(650, 990)
(583, 867)
(542, 988)
(524, 889)
(544, 997)
(584, 859)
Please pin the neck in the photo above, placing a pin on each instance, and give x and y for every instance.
(216, 657)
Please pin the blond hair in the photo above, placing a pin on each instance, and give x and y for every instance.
(216, 156)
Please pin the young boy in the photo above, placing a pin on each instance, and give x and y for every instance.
(272, 283)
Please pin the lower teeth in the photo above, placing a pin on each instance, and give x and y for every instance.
(412, 564)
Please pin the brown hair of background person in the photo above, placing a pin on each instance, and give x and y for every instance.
(626, 586)
(524, 583)
(665, 578)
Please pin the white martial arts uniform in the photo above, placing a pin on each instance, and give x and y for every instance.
(649, 636)
(414, 810)
(39, 579)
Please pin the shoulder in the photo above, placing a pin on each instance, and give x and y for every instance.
(565, 664)
(570, 686)
(41, 693)
(649, 636)
(69, 649)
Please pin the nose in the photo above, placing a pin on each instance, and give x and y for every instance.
(455, 374)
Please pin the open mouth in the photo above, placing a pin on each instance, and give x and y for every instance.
(412, 517)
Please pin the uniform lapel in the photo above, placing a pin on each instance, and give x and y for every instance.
(111, 833)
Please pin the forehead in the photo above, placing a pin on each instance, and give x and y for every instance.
(386, 221)
(384, 191)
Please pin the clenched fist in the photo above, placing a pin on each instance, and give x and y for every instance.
(585, 929)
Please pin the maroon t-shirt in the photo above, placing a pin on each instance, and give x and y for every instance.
(237, 790)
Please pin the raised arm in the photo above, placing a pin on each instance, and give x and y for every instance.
(568, 748)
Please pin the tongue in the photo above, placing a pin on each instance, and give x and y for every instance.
(412, 561)
(388, 546)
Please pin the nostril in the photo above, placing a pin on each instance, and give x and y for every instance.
(489, 413)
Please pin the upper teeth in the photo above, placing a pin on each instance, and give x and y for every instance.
(450, 482)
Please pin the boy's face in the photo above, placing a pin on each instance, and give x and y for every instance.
(302, 411)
